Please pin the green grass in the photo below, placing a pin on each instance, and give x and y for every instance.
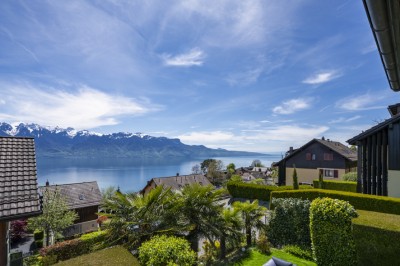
(378, 220)
(111, 256)
(256, 258)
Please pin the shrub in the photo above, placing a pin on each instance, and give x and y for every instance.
(75, 247)
(337, 185)
(39, 243)
(289, 223)
(358, 200)
(295, 179)
(18, 229)
(166, 250)
(263, 244)
(350, 176)
(38, 235)
(331, 232)
(254, 191)
(300, 252)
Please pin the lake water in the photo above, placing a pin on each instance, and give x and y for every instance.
(129, 174)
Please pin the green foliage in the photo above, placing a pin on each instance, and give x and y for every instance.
(76, 247)
(213, 169)
(256, 163)
(299, 252)
(289, 223)
(350, 176)
(263, 245)
(230, 169)
(320, 180)
(376, 236)
(236, 178)
(38, 235)
(295, 179)
(49, 260)
(258, 181)
(166, 250)
(39, 243)
(255, 191)
(337, 185)
(56, 215)
(359, 201)
(331, 232)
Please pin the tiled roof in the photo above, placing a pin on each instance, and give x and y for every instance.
(176, 182)
(78, 195)
(18, 182)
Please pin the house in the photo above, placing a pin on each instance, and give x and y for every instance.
(85, 199)
(176, 182)
(19, 197)
(378, 169)
(330, 157)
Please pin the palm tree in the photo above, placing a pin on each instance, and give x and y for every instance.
(251, 215)
(230, 229)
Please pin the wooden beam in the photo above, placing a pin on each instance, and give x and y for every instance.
(364, 167)
(373, 165)
(359, 166)
(379, 163)
(3, 243)
(369, 164)
(384, 162)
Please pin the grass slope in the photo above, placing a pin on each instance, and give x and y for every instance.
(256, 258)
(106, 257)
(379, 220)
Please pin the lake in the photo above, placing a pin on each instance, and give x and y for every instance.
(129, 174)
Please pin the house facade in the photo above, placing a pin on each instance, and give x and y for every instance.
(176, 182)
(19, 197)
(85, 199)
(331, 158)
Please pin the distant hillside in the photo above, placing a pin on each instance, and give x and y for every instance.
(69, 143)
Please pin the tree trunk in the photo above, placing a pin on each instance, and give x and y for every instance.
(194, 242)
(223, 248)
(47, 237)
(248, 235)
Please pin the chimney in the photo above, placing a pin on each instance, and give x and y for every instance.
(177, 174)
(47, 183)
(323, 138)
(291, 149)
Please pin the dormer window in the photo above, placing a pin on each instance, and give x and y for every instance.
(81, 197)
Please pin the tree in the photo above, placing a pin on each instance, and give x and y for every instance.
(213, 168)
(295, 179)
(196, 169)
(166, 250)
(205, 164)
(230, 229)
(56, 215)
(257, 163)
(320, 179)
(230, 169)
(236, 178)
(251, 215)
(18, 229)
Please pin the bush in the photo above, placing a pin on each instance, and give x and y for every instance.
(289, 223)
(38, 235)
(376, 237)
(331, 232)
(166, 250)
(18, 229)
(299, 252)
(350, 176)
(39, 243)
(359, 201)
(295, 179)
(263, 244)
(337, 185)
(254, 191)
(75, 247)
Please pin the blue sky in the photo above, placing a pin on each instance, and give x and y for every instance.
(241, 75)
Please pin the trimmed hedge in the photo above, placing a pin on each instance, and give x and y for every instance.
(331, 232)
(377, 237)
(359, 201)
(254, 191)
(337, 185)
(38, 235)
(72, 248)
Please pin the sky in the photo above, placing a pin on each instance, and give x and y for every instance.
(240, 75)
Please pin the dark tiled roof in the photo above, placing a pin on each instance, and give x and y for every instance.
(78, 195)
(176, 182)
(18, 182)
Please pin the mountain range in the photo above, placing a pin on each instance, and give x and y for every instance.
(70, 143)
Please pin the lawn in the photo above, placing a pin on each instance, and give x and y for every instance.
(379, 220)
(111, 256)
(256, 259)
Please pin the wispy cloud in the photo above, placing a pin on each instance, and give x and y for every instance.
(293, 105)
(206, 137)
(245, 78)
(359, 102)
(322, 77)
(84, 108)
(344, 120)
(195, 57)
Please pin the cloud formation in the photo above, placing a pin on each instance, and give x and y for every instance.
(195, 57)
(84, 108)
(359, 102)
(291, 106)
(322, 77)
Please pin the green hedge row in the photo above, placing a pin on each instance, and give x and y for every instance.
(377, 238)
(359, 201)
(254, 191)
(337, 185)
(72, 248)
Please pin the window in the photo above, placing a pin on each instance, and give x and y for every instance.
(328, 156)
(331, 173)
(308, 156)
(313, 157)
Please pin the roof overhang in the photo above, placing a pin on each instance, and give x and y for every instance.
(20, 216)
(384, 19)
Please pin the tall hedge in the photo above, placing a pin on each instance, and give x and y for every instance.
(359, 201)
(255, 191)
(289, 223)
(331, 232)
(337, 185)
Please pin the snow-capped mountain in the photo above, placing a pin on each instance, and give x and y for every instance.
(59, 142)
